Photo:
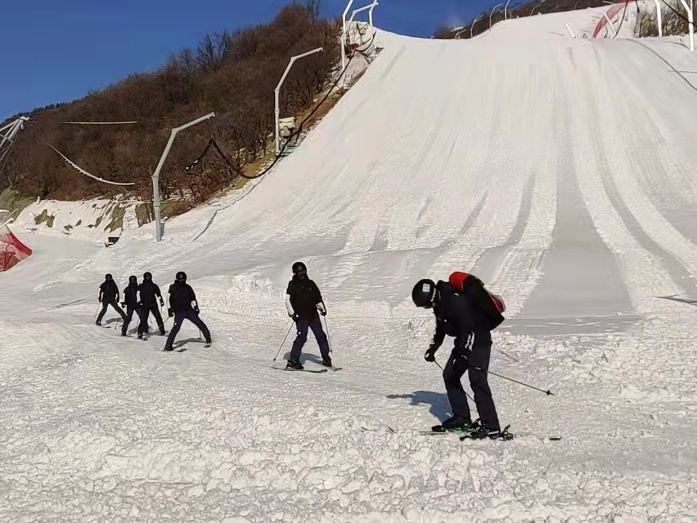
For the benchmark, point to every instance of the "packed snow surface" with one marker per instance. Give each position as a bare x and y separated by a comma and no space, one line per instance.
560,171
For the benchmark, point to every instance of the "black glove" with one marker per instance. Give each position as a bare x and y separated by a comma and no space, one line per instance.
196,309
170,312
430,355
123,304
162,302
323,312
100,299
295,317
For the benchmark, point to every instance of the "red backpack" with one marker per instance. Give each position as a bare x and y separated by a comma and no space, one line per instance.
458,281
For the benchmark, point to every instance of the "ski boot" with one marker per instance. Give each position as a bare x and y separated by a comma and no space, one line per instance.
294,365
327,362
168,349
456,424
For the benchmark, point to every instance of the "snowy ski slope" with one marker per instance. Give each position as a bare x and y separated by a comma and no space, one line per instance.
560,171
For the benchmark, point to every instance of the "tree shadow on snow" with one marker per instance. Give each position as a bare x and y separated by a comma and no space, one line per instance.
439,404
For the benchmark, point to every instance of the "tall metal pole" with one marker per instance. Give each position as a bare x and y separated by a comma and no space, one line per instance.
659,18
277,94
156,174
343,35
691,20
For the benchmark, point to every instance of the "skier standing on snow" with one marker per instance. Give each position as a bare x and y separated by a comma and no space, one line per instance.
303,302
130,302
183,306
109,295
461,315
149,293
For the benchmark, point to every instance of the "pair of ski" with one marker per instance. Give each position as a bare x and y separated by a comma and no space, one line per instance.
438,430
312,371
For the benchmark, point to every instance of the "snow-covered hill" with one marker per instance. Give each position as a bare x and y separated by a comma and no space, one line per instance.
558,170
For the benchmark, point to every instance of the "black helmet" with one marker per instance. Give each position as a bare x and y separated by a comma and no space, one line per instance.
108,277
132,279
181,276
147,276
424,293
299,267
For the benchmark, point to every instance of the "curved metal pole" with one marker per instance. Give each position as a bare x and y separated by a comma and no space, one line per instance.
369,7
505,10
277,94
472,28
492,13
156,175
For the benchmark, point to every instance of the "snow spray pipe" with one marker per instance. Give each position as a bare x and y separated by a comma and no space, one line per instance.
441,368
283,342
548,392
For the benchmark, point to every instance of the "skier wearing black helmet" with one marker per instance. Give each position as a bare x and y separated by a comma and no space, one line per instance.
304,304
109,295
183,306
149,294
130,303
458,315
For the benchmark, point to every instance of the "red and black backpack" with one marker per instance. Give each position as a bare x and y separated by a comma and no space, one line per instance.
490,305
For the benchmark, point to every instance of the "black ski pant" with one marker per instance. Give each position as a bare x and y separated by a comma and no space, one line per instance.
145,310
471,360
303,326
105,305
179,318
130,309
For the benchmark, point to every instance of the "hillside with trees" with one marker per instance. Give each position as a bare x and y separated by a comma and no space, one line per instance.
233,74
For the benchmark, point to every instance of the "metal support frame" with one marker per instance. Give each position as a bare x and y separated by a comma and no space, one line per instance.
659,17
370,8
505,10
568,28
691,19
491,15
11,129
156,174
277,94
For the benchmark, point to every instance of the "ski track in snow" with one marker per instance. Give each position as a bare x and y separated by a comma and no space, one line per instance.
540,163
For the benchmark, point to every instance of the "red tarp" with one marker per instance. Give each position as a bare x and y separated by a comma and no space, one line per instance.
12,251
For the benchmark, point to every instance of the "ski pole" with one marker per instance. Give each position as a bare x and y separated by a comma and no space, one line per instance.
547,392
326,324
284,341
441,368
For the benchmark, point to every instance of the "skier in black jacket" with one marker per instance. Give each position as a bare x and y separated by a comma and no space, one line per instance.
130,302
109,295
149,293
183,306
457,315
303,302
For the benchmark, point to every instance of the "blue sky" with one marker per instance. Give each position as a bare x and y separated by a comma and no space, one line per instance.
57,50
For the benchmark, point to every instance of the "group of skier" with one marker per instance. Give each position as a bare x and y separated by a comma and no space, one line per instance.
142,299
462,306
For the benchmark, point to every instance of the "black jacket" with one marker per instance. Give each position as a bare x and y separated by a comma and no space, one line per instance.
130,295
304,297
180,297
148,291
108,291
454,316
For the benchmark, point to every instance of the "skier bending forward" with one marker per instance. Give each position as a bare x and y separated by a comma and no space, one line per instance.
303,301
183,306
457,315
